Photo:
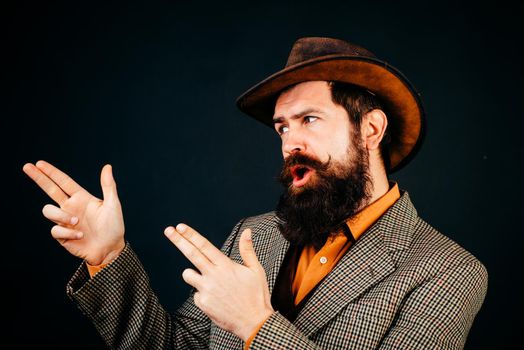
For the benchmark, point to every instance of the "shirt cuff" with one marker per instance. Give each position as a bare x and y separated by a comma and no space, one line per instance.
93,269
250,339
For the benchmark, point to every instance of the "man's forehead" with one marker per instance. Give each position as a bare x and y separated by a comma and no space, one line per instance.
303,98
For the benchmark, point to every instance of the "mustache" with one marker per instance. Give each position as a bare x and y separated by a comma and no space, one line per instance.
302,160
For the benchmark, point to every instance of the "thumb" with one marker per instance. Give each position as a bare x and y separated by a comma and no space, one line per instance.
108,183
247,252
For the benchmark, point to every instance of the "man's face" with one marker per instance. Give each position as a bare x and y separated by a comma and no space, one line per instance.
326,168
310,123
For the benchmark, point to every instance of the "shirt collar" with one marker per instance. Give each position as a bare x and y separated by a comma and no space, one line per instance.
361,221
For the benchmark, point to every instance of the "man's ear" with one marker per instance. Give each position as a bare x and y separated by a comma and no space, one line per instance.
374,125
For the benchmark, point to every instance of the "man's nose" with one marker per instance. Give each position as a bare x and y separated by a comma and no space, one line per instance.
293,142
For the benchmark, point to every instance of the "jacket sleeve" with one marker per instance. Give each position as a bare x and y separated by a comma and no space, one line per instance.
436,315
126,312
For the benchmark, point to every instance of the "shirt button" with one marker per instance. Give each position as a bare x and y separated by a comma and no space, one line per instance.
323,260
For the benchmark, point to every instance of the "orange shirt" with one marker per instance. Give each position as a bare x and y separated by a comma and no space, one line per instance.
93,269
314,265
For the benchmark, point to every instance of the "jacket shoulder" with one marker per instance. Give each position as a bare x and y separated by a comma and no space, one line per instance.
437,253
417,244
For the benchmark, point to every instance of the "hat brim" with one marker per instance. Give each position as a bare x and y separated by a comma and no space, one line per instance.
403,105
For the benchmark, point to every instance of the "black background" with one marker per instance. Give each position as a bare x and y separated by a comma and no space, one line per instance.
150,88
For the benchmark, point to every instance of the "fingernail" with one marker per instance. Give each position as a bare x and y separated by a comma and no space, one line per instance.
74,220
79,235
169,231
181,228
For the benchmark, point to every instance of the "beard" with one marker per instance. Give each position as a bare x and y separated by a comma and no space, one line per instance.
335,192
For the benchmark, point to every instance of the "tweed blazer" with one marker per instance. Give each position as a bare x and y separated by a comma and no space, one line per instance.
402,285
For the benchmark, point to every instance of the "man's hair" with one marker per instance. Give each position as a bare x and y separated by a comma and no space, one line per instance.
357,102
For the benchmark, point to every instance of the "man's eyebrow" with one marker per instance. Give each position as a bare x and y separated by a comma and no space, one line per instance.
281,119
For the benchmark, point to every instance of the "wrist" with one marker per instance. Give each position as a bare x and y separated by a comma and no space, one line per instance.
254,325
113,254
109,256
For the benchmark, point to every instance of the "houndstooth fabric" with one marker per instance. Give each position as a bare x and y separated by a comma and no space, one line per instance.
403,285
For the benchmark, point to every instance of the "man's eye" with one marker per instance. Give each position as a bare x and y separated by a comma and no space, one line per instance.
282,129
310,118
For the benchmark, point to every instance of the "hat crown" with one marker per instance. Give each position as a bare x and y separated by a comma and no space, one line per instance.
312,47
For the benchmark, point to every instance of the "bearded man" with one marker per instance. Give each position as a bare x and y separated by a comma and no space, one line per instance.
344,262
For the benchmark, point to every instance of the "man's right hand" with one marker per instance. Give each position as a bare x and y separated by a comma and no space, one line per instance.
88,227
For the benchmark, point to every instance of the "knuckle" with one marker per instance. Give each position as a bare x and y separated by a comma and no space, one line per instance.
66,180
202,245
51,191
192,254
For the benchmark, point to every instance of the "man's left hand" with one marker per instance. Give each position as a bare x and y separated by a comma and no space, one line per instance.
234,296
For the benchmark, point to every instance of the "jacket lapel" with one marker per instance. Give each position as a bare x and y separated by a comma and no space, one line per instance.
270,247
282,245
365,264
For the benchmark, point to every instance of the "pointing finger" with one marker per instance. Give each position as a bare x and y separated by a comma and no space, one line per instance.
202,244
190,251
45,183
67,184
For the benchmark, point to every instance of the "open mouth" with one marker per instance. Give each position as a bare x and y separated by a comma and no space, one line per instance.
301,175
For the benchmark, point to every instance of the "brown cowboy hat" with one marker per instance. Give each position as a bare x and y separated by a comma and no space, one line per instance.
330,59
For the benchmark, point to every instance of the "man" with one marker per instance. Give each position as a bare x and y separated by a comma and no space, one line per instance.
343,263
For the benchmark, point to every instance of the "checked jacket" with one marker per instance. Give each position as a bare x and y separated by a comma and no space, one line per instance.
402,285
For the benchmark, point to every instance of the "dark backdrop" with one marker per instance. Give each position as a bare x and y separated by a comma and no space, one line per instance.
150,88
